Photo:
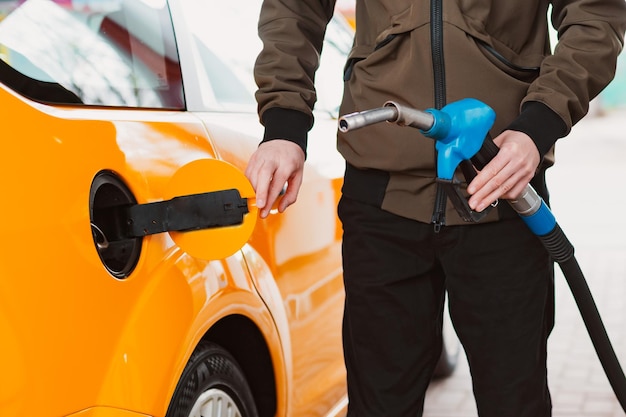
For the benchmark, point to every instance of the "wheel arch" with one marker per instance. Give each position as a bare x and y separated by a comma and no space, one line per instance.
251,326
244,341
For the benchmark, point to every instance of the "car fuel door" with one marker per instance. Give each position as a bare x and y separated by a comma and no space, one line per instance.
208,201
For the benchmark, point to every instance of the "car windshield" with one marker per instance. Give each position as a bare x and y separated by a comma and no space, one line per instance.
93,52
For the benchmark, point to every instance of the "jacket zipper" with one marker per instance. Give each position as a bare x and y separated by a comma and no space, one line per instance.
436,40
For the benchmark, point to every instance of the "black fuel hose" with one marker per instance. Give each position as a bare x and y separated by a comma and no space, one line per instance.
538,217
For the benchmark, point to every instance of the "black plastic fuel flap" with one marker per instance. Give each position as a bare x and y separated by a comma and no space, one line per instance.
180,214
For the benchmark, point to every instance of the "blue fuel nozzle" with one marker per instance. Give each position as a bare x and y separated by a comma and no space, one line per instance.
459,130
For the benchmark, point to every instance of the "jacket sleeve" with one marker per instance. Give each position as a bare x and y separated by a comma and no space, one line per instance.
292,32
590,38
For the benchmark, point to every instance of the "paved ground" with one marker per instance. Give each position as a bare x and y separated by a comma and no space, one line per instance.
588,187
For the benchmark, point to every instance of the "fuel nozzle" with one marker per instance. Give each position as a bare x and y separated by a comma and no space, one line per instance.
390,112
459,130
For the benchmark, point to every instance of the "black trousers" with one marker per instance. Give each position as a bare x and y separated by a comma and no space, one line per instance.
500,284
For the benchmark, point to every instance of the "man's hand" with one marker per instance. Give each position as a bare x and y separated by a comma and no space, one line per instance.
274,165
506,175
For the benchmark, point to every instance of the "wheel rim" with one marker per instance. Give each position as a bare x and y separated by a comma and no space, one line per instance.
215,403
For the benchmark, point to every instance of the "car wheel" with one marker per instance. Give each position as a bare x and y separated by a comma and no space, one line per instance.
212,385
450,349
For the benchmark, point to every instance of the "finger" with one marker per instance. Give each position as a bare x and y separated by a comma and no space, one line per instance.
273,187
481,203
252,173
506,184
262,188
291,194
264,185
276,189
484,176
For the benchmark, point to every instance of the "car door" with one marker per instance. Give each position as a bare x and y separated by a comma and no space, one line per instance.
300,247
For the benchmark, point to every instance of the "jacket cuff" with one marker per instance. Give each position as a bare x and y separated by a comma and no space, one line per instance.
542,124
288,124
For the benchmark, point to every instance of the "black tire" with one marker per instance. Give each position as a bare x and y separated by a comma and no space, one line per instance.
212,385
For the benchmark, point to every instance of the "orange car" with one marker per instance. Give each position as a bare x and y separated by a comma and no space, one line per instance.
136,278
125,125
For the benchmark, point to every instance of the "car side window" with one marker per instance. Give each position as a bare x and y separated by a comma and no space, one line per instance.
227,44
119,53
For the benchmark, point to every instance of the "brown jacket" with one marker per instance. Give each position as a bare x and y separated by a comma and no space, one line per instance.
426,54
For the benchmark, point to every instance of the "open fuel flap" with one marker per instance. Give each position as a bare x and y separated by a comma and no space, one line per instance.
206,211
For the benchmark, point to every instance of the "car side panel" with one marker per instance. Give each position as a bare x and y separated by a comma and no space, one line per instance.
66,323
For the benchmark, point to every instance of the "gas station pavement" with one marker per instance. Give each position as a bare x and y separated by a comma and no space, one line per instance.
588,199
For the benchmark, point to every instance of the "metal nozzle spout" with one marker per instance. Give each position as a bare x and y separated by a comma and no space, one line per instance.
407,116
361,119
390,112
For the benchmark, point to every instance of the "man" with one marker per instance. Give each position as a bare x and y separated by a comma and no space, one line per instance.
404,245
